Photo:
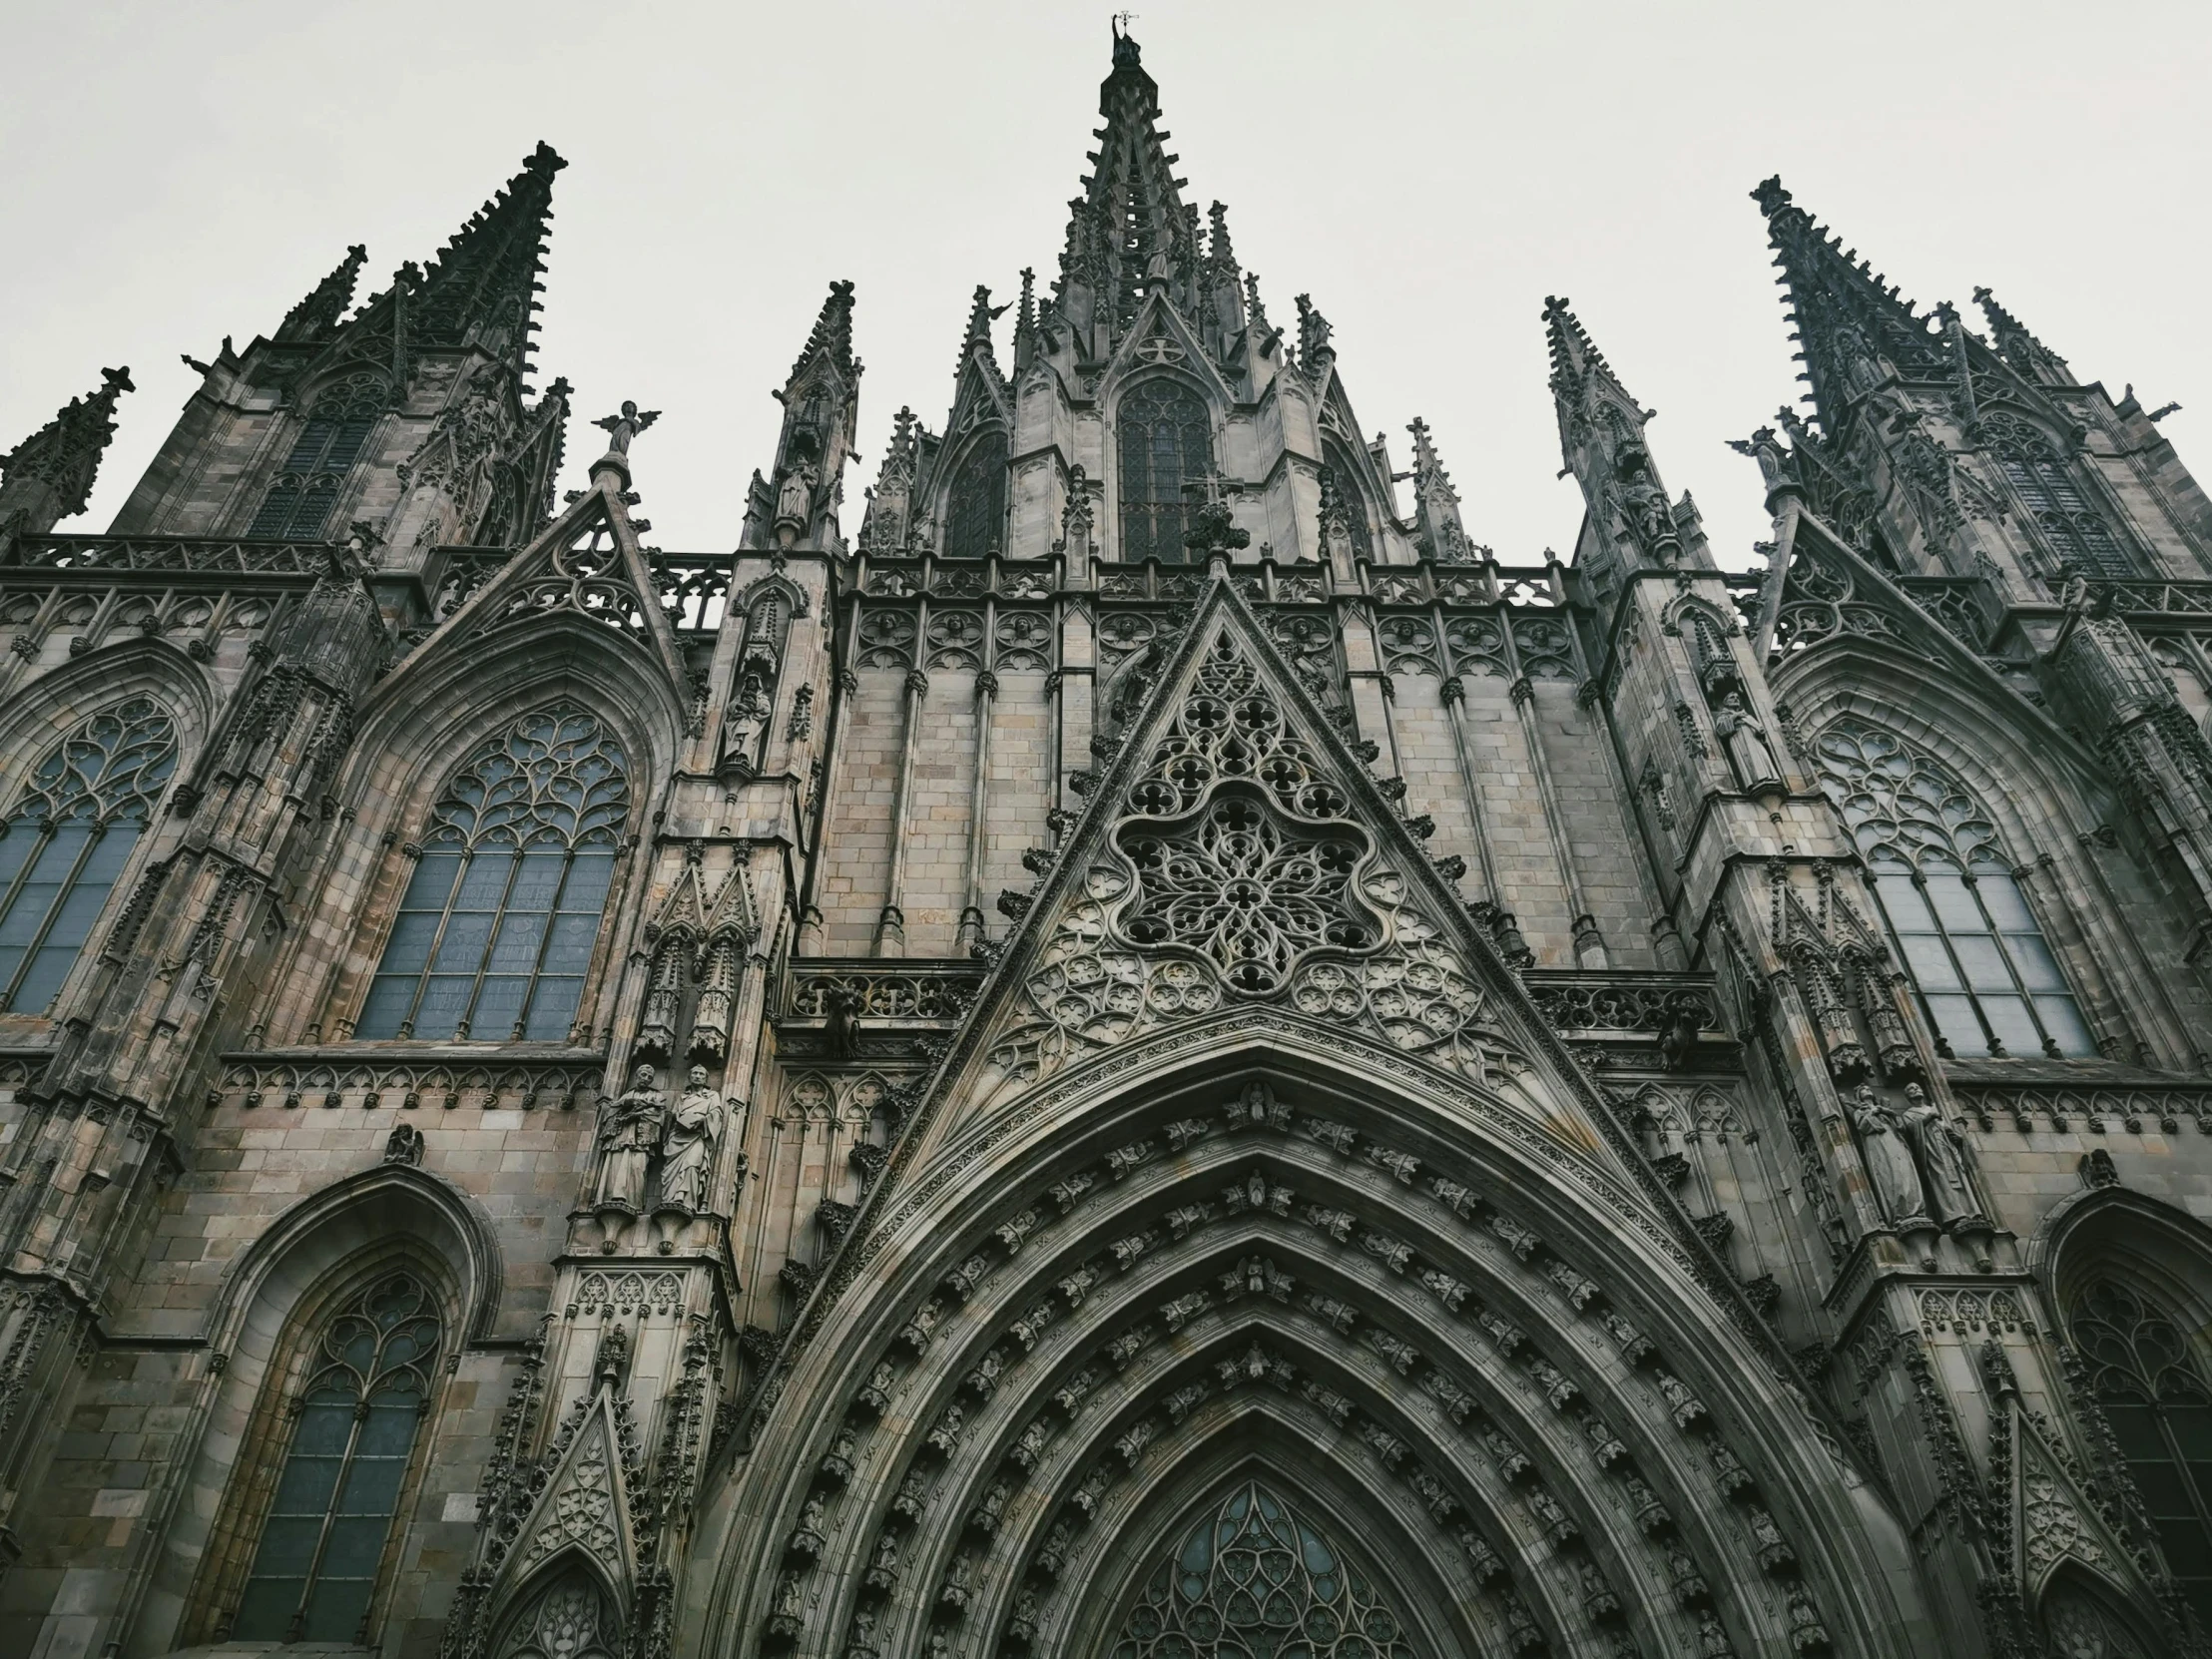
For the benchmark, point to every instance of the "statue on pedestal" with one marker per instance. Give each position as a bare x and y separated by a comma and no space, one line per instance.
688,1145
629,1130
1750,756
1889,1166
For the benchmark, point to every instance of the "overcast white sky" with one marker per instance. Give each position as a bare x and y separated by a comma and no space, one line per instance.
176,172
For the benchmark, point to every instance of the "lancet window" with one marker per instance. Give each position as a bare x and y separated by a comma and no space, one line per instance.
2152,1393
354,1423
69,838
1166,443
1986,979
1253,1578
2046,488
1343,491
975,515
499,919
331,440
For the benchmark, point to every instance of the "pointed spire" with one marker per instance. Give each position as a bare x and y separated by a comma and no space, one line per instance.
1574,359
1221,255
1438,531
481,287
1130,226
1856,328
2018,347
884,525
831,337
316,316
1025,321
48,476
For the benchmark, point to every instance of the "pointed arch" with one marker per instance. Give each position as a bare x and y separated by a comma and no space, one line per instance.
342,413
2070,517
1007,1410
70,832
1164,443
975,509
567,1610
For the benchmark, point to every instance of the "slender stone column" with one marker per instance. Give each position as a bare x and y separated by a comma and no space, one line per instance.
972,917
1589,945
1490,904
890,927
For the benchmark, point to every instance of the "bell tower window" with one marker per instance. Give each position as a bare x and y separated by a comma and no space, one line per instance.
331,440
1165,443
500,917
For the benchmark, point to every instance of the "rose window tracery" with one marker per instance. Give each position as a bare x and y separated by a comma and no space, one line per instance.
1254,1580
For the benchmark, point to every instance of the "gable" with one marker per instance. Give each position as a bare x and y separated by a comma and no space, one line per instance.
1235,858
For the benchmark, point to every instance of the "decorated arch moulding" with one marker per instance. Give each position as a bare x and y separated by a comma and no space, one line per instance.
2108,1226
1151,1185
43,709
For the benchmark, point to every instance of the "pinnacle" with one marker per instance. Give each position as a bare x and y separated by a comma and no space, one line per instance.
1574,356
64,454
318,316
832,334
481,284
2016,343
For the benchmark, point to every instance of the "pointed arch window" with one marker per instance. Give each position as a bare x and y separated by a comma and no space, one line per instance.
500,917
1165,442
1986,979
354,1423
569,1620
1256,1576
2145,1381
1341,487
2044,482
330,441
975,511
69,839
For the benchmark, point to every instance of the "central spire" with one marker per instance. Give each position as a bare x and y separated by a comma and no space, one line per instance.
1130,226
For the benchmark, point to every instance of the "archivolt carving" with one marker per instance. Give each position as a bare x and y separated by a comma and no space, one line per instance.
1081,1389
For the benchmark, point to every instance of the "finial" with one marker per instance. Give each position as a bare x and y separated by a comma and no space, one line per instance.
620,429
1313,332
1770,195
48,476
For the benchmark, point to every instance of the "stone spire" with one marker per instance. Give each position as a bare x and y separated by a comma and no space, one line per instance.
1601,438
2027,355
48,476
316,317
1855,329
1438,531
1025,321
798,503
1130,223
480,290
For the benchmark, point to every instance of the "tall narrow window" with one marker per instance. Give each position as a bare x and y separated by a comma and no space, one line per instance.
975,515
1256,1576
1165,443
2161,1414
2046,485
331,440
500,917
1341,490
68,839
1986,980
354,1428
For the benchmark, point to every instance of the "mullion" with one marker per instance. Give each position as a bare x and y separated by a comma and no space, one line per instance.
437,939
1989,1039
545,942
8,900
314,1568
2004,955
491,940
62,890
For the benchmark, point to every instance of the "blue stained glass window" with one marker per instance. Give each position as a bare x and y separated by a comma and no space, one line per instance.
1986,977
69,838
354,1432
499,919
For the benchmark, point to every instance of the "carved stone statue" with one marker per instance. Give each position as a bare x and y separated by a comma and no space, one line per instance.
621,428
629,1129
794,503
750,711
1941,1146
1889,1166
1750,756
688,1147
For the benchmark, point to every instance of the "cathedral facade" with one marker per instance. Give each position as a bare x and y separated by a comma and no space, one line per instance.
1136,1052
